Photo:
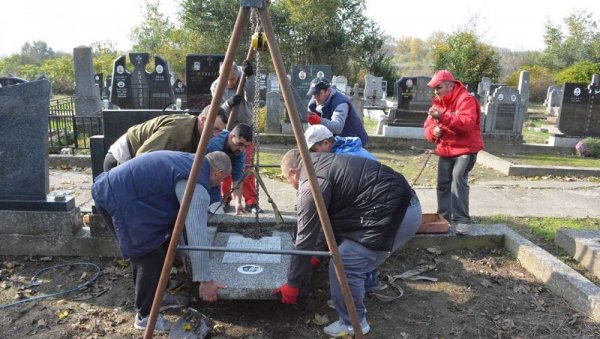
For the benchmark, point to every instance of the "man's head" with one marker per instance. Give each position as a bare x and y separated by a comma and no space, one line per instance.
442,83
319,138
220,167
291,163
233,75
220,121
239,138
319,90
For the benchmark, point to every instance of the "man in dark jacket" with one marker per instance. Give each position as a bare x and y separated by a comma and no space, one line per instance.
173,132
139,201
334,110
373,211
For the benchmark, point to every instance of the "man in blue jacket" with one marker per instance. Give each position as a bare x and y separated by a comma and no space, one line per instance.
334,110
139,201
320,139
234,144
373,212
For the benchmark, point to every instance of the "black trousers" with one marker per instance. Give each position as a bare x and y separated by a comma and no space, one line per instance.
145,270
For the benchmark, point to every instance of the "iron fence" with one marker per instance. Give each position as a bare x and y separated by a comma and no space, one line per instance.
66,130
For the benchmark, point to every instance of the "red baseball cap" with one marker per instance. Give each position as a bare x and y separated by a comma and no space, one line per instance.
439,76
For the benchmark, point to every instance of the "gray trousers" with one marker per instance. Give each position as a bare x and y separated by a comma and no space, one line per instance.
453,187
358,260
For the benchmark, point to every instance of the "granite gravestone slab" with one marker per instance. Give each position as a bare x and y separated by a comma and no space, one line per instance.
201,70
120,89
107,87
414,99
161,91
272,83
483,90
262,88
87,97
372,92
503,112
341,83
301,77
140,80
580,110
99,81
250,276
180,92
24,178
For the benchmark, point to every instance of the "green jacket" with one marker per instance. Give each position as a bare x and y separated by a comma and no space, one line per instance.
174,132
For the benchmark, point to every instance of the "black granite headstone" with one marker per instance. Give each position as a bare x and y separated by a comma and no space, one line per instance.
120,90
301,77
180,92
140,80
161,91
107,87
580,110
201,70
503,112
99,81
262,96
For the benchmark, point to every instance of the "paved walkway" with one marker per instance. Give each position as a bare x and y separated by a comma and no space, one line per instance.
546,198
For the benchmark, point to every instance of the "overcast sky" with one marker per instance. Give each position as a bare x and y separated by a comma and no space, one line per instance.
65,24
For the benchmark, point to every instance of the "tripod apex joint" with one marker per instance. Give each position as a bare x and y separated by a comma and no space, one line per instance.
252,3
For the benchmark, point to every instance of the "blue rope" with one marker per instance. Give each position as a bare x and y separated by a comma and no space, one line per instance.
40,272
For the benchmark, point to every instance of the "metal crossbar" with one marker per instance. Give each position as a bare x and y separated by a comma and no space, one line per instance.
253,250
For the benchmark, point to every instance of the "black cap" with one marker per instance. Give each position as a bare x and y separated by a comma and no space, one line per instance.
317,84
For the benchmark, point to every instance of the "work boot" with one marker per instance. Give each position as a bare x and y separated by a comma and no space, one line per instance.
372,283
253,208
161,325
339,328
173,301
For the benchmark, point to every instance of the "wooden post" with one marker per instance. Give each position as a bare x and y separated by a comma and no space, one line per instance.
308,166
240,23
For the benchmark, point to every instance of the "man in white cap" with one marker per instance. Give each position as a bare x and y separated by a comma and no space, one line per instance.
453,125
320,139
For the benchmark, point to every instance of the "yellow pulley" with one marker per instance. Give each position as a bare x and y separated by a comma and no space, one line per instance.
259,41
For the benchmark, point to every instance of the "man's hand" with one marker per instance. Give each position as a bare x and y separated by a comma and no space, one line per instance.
234,100
313,118
247,67
208,290
437,131
289,294
435,113
312,107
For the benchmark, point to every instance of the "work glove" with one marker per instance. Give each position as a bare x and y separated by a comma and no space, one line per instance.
315,262
313,118
289,294
247,67
234,100
437,131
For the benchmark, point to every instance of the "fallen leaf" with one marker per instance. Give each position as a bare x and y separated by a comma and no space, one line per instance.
63,314
320,319
187,326
485,283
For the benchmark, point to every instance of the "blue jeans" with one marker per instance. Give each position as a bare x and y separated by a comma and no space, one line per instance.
358,260
453,187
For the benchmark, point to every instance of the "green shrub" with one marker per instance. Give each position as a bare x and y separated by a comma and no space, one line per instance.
589,147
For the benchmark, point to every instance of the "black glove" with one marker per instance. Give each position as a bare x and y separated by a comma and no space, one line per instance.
247,66
234,100
312,107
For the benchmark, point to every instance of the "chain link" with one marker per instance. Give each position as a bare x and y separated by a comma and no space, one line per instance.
256,107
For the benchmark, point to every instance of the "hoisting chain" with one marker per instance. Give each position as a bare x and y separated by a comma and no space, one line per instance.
255,22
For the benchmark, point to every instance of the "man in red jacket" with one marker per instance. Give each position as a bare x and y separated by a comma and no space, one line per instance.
453,125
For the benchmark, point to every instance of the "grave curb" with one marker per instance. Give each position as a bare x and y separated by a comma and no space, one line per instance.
507,168
583,246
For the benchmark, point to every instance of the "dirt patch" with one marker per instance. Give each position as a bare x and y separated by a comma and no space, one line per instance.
479,294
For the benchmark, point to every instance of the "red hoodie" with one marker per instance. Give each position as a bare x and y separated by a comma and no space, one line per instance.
460,123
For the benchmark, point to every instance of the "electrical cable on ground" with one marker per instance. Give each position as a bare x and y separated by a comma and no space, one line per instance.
40,272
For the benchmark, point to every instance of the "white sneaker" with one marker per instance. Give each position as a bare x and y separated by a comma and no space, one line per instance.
339,328
161,325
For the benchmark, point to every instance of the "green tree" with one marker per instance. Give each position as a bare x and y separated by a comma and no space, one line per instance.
580,71
467,58
580,41
61,73
35,52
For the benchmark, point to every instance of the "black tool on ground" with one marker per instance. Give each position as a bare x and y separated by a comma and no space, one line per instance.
191,325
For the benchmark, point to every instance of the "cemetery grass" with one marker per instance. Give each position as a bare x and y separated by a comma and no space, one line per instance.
478,294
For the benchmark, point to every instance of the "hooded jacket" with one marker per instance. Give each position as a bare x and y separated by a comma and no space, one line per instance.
460,123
